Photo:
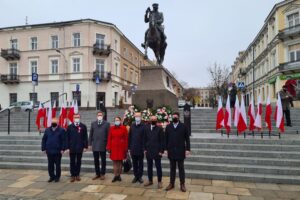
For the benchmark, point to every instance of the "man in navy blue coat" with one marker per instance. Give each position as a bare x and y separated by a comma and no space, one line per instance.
177,148
154,149
53,144
77,140
136,147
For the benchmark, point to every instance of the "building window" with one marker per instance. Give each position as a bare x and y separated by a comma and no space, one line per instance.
33,66
125,73
136,77
76,39
76,64
116,45
77,97
33,97
33,43
13,68
13,98
168,81
100,65
131,76
117,69
14,43
294,53
54,42
54,66
293,19
125,96
54,98
100,40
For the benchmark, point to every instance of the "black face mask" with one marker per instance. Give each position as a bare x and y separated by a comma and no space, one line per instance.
54,125
175,120
153,122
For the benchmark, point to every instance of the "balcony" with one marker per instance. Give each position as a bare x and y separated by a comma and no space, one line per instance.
243,72
103,76
10,54
101,49
289,67
9,78
289,33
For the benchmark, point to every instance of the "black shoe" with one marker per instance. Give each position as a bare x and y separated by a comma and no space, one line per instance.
290,125
56,180
140,180
114,179
135,180
50,180
119,178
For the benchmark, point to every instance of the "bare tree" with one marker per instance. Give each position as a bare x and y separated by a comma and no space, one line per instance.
219,78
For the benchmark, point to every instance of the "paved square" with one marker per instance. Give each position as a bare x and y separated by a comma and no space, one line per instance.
19,184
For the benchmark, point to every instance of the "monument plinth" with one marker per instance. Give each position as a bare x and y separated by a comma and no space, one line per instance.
155,88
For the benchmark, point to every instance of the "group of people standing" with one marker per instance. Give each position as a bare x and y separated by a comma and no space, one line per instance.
139,141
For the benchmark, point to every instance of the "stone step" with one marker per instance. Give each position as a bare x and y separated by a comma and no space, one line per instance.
234,176
276,170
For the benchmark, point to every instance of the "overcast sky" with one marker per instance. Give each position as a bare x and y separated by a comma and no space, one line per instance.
200,32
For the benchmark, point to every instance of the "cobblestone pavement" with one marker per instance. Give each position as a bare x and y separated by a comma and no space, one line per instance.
33,185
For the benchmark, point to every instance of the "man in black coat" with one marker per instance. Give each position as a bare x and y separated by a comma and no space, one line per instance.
136,147
53,144
77,140
97,142
177,148
154,149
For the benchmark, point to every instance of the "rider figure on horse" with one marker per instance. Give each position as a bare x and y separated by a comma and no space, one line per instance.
157,18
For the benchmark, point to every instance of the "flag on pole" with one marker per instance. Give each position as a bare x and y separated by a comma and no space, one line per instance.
268,114
227,119
279,115
49,115
76,107
257,122
63,116
236,112
251,114
242,123
54,109
220,115
71,112
45,116
39,116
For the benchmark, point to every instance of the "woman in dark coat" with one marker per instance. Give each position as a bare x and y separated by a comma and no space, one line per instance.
117,146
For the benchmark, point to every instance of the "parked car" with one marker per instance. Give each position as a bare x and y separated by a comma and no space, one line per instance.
181,103
23,105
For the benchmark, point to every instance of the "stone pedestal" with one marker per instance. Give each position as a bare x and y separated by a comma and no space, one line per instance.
155,88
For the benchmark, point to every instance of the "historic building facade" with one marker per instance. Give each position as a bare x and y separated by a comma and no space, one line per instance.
87,60
274,54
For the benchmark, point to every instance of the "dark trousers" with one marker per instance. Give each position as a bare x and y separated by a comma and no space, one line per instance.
75,163
287,117
138,165
150,169
96,155
54,161
180,164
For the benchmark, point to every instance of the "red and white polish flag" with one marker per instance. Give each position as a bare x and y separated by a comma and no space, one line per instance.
279,115
268,114
236,112
39,116
227,118
71,112
242,123
220,115
49,115
63,116
54,109
257,122
251,114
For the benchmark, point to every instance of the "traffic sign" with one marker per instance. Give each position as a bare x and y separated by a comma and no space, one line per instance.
35,77
241,84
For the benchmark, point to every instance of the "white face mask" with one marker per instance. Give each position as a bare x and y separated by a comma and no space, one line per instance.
138,119
100,118
77,121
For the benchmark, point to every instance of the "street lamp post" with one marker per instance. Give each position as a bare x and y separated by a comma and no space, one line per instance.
64,69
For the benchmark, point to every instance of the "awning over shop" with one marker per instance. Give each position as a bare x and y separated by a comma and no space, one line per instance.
292,76
272,80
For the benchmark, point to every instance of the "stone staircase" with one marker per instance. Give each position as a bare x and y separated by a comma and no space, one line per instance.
270,160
